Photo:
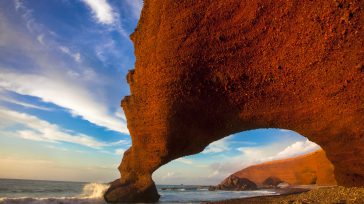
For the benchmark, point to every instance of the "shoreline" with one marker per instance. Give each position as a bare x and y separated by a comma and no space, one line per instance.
326,194
281,191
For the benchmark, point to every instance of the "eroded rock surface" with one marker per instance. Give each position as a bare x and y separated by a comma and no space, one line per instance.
206,69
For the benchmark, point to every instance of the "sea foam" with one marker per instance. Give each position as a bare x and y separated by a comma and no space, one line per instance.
94,190
92,194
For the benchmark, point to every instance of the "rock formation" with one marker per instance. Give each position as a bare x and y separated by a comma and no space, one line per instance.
272,181
234,183
206,69
311,168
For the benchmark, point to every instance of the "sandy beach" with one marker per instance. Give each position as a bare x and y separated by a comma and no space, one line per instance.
335,194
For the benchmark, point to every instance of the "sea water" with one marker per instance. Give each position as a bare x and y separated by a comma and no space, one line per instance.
14,191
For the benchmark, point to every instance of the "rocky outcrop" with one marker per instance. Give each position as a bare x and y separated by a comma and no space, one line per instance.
311,168
206,69
234,183
272,181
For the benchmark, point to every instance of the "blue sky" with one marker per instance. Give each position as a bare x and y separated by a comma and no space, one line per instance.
62,75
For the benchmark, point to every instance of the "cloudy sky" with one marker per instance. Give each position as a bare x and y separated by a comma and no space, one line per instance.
62,75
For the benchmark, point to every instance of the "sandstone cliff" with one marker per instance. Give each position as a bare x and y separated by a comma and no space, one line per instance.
206,69
312,168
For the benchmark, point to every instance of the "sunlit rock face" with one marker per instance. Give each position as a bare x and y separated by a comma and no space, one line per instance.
206,69
311,168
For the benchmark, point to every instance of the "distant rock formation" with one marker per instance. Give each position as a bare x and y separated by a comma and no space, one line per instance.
312,168
206,69
272,181
234,183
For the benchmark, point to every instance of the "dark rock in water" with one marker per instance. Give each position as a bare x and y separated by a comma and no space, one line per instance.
272,181
131,194
213,188
234,183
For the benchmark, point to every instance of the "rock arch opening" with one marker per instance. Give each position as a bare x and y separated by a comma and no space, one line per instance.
260,155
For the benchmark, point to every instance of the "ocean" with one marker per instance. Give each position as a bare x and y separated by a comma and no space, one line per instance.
14,191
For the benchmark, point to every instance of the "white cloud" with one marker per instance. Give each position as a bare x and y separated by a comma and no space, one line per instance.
102,10
40,130
169,175
73,74
121,142
75,55
25,161
136,7
120,114
57,148
64,93
18,4
243,143
27,15
26,105
119,151
103,13
297,148
40,39
218,146
82,94
250,151
184,160
44,62
214,174
285,130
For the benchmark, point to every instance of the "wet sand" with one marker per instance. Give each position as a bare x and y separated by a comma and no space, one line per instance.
335,194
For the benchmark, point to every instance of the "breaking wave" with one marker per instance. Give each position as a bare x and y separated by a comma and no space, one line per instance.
92,194
94,190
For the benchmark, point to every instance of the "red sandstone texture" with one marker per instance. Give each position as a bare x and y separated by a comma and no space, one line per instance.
206,69
312,168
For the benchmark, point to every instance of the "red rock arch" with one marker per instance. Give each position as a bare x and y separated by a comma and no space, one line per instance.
206,69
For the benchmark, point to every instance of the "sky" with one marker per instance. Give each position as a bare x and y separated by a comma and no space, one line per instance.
62,75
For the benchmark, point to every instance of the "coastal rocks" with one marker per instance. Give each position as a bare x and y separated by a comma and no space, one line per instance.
311,168
234,183
131,193
207,69
272,181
